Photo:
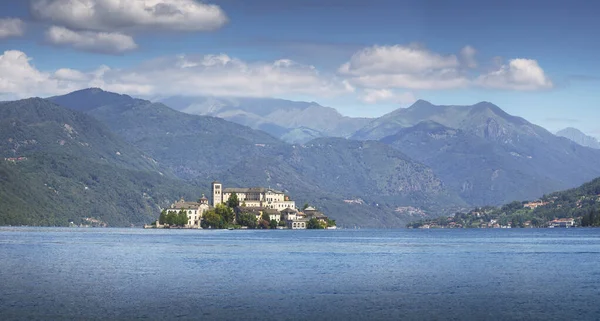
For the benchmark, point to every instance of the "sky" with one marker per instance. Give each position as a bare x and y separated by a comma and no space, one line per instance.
534,59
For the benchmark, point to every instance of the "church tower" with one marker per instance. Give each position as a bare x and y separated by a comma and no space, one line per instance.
217,192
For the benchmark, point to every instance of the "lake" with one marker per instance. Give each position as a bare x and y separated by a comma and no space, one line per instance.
509,274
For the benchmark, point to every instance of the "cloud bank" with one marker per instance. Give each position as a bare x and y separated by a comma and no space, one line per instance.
11,27
417,68
119,15
100,42
218,75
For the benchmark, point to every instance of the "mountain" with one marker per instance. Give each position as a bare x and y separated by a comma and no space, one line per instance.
486,155
578,137
483,119
58,165
369,183
372,184
288,120
190,145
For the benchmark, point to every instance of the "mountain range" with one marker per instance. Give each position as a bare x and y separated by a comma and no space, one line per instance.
374,178
291,121
119,158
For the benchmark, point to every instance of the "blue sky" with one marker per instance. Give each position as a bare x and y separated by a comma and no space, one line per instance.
534,59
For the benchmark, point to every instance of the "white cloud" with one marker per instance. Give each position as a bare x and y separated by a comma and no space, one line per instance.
11,27
396,60
399,66
414,67
102,42
71,75
467,55
18,78
120,15
218,75
519,74
374,96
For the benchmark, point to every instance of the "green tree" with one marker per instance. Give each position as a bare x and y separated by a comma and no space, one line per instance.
305,206
162,219
314,224
265,217
233,201
273,224
282,223
171,218
211,219
225,212
248,220
182,218
330,223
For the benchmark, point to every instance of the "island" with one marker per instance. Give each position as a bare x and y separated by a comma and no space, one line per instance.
242,208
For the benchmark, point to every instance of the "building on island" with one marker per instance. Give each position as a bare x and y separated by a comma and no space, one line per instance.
194,210
253,197
312,212
257,201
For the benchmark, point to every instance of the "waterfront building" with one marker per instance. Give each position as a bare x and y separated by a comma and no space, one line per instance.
252,197
194,210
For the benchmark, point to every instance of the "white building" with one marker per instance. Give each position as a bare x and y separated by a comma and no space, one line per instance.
194,210
253,197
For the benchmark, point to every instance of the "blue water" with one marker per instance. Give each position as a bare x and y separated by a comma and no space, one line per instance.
517,274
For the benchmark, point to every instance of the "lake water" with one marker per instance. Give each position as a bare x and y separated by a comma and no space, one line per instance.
516,274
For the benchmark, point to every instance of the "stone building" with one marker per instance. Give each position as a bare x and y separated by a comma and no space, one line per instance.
194,210
252,197
311,212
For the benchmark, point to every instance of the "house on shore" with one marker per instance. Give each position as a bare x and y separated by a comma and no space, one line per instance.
194,210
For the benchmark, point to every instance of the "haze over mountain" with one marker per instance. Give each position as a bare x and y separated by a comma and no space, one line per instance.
292,121
429,160
483,153
579,137
372,176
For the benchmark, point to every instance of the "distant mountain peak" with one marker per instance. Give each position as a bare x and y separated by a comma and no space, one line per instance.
421,103
579,137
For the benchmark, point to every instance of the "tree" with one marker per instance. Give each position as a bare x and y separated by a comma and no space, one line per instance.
248,220
263,224
162,219
233,201
273,224
330,223
282,223
182,218
211,219
171,218
265,217
305,206
225,212
314,224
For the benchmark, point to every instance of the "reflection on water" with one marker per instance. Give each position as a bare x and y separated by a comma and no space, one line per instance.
53,273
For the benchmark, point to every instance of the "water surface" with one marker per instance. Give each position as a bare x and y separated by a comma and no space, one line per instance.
518,274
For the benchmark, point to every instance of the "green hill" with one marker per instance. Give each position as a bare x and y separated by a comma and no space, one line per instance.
57,165
581,204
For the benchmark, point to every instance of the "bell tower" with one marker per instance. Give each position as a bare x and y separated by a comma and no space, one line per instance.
217,193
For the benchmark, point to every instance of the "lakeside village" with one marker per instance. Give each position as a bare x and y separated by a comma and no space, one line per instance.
242,208
534,214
